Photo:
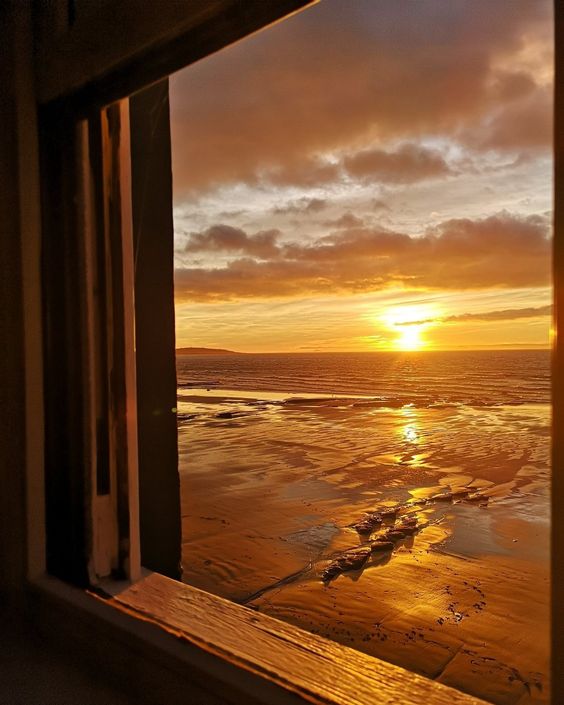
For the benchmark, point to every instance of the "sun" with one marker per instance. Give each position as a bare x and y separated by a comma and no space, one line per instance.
410,338
409,323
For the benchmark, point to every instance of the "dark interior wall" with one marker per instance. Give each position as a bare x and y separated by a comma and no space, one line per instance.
20,320
12,402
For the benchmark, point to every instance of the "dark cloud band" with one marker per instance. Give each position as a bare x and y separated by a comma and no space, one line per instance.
457,254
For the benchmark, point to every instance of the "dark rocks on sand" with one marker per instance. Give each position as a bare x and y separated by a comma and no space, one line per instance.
395,535
367,525
407,529
370,522
364,527
381,546
350,560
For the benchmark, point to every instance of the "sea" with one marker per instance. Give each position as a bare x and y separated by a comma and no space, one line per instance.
474,378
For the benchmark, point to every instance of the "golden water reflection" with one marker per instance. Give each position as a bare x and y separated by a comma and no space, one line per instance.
410,433
409,426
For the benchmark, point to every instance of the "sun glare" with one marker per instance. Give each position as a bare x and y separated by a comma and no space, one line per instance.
410,338
409,323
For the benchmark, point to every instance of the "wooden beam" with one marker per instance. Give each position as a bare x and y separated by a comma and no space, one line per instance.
67,477
113,49
88,286
271,652
159,484
121,350
109,380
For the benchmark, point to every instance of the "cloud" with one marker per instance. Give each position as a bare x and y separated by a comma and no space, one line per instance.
343,75
302,205
299,172
225,238
501,251
347,220
524,124
405,165
507,314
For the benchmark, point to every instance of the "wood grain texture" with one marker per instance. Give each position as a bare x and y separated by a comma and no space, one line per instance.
318,670
134,42
153,230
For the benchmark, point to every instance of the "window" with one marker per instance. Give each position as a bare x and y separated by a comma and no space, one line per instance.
81,424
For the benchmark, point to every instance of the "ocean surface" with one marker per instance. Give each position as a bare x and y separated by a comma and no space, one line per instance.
425,378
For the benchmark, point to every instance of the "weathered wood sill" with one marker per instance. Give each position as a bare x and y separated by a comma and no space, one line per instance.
308,666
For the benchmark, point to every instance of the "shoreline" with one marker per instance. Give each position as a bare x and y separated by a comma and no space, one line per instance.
526,348
224,395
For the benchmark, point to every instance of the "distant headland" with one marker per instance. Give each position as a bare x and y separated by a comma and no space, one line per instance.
205,351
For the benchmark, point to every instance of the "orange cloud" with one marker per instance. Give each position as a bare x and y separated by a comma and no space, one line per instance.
524,124
405,165
342,75
225,238
347,220
457,254
507,314
302,205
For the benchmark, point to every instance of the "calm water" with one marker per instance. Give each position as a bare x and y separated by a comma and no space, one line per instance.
429,378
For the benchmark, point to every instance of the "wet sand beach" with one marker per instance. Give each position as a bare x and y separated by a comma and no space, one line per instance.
415,533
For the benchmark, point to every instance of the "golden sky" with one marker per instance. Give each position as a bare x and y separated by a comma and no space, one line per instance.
368,175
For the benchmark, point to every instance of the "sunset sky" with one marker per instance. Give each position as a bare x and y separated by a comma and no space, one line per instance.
368,175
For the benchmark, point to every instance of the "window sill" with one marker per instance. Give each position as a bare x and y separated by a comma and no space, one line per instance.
233,652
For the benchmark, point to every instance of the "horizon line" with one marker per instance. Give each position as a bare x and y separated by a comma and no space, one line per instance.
510,346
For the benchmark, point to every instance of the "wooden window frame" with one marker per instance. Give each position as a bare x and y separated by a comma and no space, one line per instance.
174,628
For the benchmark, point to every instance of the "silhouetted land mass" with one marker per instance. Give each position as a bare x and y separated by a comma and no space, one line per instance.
205,351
